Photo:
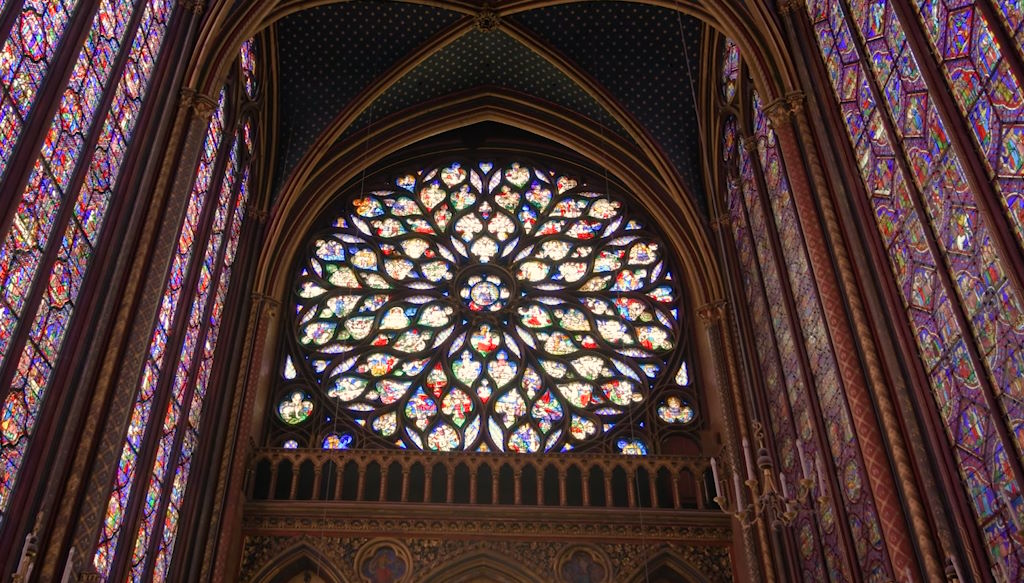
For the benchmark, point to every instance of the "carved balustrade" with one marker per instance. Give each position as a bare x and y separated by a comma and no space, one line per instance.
399,476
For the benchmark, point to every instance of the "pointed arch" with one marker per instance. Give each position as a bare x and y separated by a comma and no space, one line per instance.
667,566
479,566
295,560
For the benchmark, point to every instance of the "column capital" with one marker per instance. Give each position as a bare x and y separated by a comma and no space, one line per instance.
713,312
202,105
265,304
797,101
779,112
194,6
257,213
789,6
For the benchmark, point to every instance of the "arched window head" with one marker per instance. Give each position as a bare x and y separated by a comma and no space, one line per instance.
730,69
481,306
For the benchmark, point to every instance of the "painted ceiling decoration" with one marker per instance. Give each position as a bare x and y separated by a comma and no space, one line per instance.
613,56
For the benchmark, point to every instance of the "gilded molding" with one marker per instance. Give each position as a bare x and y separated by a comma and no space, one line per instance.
288,520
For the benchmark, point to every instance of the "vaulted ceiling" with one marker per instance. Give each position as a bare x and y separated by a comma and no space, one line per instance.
622,65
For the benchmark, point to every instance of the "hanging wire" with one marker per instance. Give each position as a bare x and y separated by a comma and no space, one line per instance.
331,484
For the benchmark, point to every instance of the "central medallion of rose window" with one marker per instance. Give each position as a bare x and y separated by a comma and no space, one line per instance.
485,292
486,307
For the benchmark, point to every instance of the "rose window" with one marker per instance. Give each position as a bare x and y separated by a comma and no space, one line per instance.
482,307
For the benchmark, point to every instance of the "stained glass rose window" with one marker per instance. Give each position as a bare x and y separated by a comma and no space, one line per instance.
484,307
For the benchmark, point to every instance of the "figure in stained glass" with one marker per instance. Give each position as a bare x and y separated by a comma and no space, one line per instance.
482,306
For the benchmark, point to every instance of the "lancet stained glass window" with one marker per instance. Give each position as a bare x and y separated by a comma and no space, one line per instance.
965,321
116,27
482,307
180,364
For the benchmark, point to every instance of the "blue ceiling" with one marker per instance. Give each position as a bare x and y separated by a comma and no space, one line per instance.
327,55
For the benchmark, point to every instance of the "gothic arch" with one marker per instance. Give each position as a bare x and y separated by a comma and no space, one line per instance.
750,24
297,560
298,206
670,565
481,566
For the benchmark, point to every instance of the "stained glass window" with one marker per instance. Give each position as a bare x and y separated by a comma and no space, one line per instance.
730,69
481,307
147,391
26,55
929,221
198,283
50,188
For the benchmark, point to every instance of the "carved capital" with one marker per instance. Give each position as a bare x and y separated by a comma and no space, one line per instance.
195,6
797,101
722,221
748,143
257,213
201,105
265,304
487,20
713,312
789,6
778,112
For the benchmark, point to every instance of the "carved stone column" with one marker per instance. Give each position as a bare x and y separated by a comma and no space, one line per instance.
88,488
872,446
734,425
934,569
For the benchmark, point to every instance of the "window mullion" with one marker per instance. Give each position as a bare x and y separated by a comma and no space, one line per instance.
26,383
39,86
165,392
67,209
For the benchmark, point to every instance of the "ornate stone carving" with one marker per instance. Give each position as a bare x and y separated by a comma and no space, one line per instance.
487,20
536,557
748,143
778,112
269,305
195,6
796,101
202,105
712,312
789,6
